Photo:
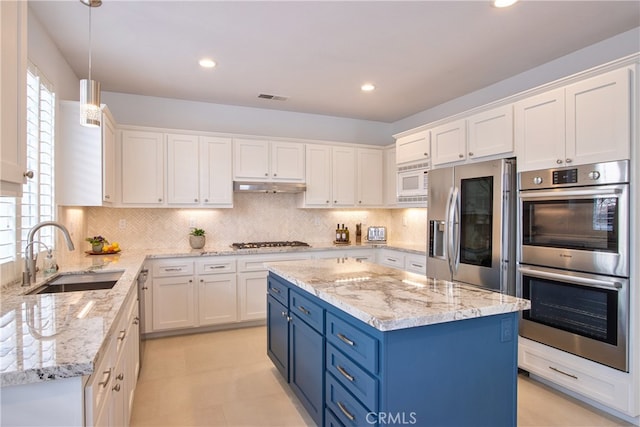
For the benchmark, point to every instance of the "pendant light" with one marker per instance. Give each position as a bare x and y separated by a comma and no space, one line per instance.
90,112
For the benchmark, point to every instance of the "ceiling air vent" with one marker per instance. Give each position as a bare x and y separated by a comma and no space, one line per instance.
272,97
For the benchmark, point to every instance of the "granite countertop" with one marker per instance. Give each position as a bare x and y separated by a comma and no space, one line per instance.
44,337
390,299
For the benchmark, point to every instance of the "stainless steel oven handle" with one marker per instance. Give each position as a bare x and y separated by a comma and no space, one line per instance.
606,284
564,193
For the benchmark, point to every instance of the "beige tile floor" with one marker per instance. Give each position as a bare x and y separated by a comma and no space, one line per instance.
226,379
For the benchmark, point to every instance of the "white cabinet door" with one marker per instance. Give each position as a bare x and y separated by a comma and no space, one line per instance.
216,177
173,303
343,187
540,131
142,167
250,159
109,195
598,118
252,289
318,176
182,169
413,148
370,182
217,299
390,176
449,142
287,161
13,95
491,132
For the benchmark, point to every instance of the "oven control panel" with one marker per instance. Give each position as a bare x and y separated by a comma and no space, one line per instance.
565,176
575,176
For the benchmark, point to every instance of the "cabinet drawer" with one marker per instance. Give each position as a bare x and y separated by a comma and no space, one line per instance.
216,265
308,311
353,377
347,409
353,342
391,258
172,268
278,290
330,420
99,385
416,264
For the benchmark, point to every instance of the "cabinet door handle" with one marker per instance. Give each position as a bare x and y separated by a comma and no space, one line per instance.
283,313
563,373
568,160
346,340
304,310
195,200
345,373
470,153
122,335
159,199
345,412
559,161
461,155
105,378
28,174
116,387
206,200
120,377
275,290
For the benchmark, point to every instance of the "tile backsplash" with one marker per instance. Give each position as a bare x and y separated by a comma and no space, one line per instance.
254,217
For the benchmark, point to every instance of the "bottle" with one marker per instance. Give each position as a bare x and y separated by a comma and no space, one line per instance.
343,234
338,233
346,230
50,264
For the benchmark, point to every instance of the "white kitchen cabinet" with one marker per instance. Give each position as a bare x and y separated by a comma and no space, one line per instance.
390,176
318,176
449,142
217,291
490,132
216,178
183,175
85,159
143,168
262,160
585,122
173,302
370,177
13,95
342,252
343,183
413,148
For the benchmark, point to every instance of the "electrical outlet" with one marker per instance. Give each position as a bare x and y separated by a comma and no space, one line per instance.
122,224
405,221
193,223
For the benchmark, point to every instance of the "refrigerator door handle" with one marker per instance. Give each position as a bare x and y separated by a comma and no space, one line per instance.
451,224
455,245
447,233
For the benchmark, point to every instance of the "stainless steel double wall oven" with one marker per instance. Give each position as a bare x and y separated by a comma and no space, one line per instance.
574,259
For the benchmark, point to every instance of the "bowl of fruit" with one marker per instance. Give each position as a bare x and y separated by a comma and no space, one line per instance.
100,246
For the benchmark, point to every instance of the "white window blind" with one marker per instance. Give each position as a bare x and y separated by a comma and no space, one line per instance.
7,229
37,203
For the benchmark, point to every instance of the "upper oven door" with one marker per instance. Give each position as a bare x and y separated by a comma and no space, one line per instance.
582,229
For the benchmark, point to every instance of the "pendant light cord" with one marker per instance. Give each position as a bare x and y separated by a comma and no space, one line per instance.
90,7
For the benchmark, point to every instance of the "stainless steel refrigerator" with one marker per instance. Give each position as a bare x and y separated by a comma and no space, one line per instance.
472,224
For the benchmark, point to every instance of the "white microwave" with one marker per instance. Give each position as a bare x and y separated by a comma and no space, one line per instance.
412,183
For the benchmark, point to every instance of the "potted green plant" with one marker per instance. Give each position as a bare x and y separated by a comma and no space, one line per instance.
197,238
97,242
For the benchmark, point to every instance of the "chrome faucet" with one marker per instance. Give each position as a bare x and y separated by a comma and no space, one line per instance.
30,259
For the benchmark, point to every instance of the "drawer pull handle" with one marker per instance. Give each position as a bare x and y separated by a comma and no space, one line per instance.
346,340
105,381
304,310
120,377
345,373
275,290
345,412
563,373
116,387
173,269
417,265
122,335
213,267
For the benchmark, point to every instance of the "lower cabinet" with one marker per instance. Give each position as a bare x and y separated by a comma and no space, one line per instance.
347,373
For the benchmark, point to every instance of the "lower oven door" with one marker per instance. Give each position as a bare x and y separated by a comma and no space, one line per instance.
583,314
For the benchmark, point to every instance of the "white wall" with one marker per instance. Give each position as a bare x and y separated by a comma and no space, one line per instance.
616,47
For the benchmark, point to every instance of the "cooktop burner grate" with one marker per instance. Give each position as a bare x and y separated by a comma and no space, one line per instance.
256,245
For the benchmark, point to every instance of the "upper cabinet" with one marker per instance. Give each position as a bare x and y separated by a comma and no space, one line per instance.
199,170
370,179
85,159
143,168
586,122
390,176
13,93
413,148
261,160
480,136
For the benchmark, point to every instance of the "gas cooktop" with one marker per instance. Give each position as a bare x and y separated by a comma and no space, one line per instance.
256,245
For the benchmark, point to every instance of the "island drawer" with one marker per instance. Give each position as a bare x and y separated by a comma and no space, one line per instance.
278,290
356,344
308,311
216,265
330,420
347,409
353,377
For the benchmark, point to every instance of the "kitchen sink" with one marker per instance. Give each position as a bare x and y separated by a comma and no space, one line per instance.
82,281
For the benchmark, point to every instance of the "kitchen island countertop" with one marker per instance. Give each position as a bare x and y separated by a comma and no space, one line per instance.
390,299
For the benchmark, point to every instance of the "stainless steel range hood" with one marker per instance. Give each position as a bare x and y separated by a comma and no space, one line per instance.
269,187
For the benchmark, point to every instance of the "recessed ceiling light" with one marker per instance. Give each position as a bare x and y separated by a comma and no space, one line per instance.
367,87
207,63
503,3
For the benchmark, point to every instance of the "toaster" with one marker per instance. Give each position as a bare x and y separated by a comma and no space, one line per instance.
377,234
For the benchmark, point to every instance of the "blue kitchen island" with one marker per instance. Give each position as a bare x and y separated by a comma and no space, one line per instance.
361,345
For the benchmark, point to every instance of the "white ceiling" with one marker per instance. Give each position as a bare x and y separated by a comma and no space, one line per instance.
317,53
